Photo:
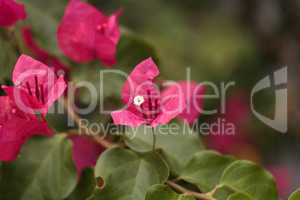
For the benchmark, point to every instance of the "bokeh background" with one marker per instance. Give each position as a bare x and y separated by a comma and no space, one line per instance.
231,40
220,40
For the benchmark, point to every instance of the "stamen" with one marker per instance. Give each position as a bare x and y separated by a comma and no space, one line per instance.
156,108
28,88
138,100
37,90
144,111
42,93
149,103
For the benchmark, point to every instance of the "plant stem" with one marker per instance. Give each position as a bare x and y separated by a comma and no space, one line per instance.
154,139
200,196
71,113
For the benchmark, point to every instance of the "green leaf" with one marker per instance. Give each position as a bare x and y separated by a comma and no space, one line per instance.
250,179
128,175
85,187
162,192
178,144
295,195
223,193
239,196
205,169
44,171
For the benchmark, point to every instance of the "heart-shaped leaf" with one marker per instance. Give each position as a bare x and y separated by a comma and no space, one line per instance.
44,171
250,179
85,187
295,195
205,169
178,144
239,196
223,193
128,175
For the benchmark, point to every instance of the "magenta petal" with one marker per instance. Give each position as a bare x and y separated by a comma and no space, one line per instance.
113,29
36,85
11,12
12,137
56,92
85,34
108,39
10,150
76,32
22,99
106,50
85,152
125,117
193,93
144,72
172,104
16,127
27,68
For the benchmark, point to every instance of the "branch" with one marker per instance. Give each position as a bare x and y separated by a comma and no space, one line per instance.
71,113
200,196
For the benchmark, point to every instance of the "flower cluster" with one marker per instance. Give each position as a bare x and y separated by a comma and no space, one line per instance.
84,34
33,93
38,81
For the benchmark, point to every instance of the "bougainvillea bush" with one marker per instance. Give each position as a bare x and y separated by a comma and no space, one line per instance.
135,141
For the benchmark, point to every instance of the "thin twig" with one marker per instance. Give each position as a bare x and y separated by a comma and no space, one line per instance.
71,113
181,189
154,139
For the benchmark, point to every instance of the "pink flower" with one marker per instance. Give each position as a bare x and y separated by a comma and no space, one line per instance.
236,114
145,104
11,12
193,96
36,86
16,127
85,152
42,55
86,34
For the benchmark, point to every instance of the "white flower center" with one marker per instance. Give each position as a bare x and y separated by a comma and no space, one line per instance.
138,100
